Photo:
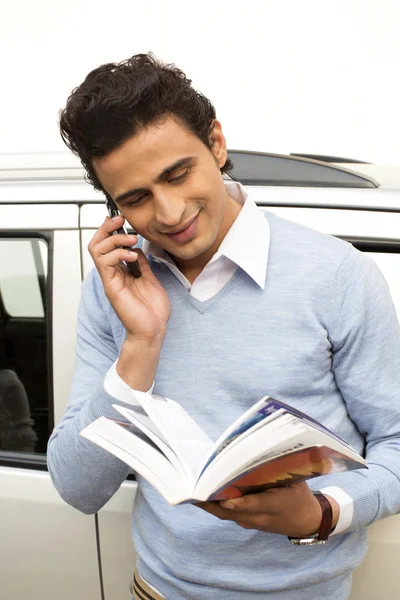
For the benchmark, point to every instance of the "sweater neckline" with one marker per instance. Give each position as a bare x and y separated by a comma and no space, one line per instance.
199,305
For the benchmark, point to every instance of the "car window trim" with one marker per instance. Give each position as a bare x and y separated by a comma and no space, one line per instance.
21,459
378,245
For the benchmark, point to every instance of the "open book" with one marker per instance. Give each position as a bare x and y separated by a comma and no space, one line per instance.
270,445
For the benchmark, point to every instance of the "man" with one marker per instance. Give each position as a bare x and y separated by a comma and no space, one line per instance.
232,304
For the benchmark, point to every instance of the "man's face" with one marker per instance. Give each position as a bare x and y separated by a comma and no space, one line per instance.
169,187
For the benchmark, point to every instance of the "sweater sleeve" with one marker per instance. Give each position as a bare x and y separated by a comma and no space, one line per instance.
365,338
85,475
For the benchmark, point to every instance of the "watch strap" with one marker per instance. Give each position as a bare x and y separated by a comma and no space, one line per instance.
327,517
326,523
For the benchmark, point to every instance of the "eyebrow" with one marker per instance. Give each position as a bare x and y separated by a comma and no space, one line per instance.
182,162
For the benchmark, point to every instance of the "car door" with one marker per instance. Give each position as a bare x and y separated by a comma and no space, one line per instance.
378,234
47,549
117,554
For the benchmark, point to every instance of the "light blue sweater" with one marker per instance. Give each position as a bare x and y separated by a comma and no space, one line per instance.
323,336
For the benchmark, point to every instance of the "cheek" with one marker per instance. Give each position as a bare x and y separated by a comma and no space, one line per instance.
217,207
139,219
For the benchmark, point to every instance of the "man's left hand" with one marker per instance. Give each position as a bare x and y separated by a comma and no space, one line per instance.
291,511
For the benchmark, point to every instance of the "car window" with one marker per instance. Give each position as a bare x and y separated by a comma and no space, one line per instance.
25,419
22,274
264,169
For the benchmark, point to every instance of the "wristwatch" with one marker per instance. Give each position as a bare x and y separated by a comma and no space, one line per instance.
326,524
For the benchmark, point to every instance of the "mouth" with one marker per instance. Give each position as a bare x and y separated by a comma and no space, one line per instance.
185,233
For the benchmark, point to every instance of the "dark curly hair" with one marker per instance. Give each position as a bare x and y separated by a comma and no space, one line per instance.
117,100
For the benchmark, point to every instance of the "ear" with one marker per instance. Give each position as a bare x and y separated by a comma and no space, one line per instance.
218,142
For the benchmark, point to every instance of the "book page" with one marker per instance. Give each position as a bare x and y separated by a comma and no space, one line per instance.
277,405
257,416
140,455
284,436
233,458
143,422
186,438
246,420
262,412
292,467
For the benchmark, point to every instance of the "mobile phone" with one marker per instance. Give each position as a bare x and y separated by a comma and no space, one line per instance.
113,211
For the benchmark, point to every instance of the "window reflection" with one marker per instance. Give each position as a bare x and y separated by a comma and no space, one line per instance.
16,426
24,409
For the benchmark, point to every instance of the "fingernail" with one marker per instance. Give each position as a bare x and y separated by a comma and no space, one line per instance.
116,218
228,504
132,238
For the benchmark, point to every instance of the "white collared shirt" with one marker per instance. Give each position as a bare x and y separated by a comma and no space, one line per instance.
246,245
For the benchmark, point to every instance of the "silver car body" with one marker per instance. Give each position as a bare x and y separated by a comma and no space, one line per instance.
48,549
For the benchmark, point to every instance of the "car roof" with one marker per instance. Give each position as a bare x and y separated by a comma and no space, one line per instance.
281,179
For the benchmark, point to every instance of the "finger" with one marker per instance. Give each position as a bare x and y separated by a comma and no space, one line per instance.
110,225
252,503
114,258
214,508
271,500
107,228
114,241
245,520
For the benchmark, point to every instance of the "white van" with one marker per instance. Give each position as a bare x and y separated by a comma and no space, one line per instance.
48,214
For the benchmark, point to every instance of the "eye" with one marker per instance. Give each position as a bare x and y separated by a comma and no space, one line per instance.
136,200
178,178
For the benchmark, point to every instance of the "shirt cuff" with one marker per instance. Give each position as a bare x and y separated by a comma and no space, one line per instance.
116,386
346,507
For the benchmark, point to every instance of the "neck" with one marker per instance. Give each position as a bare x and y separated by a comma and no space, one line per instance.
193,267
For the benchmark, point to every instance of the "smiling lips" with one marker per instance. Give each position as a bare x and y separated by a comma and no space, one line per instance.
185,234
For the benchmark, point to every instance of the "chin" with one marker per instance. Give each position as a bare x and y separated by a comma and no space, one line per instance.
192,250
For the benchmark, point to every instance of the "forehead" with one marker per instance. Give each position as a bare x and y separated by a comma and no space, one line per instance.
145,155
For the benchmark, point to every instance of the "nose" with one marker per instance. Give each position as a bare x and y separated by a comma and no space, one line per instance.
168,208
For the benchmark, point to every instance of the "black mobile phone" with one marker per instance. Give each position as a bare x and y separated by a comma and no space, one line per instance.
113,211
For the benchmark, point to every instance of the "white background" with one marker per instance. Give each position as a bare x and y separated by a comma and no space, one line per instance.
317,76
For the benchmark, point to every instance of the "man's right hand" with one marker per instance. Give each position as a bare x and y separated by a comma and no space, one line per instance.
141,303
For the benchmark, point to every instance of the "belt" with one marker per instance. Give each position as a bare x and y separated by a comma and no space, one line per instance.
141,590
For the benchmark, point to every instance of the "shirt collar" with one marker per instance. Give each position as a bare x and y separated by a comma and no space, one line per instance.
246,243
